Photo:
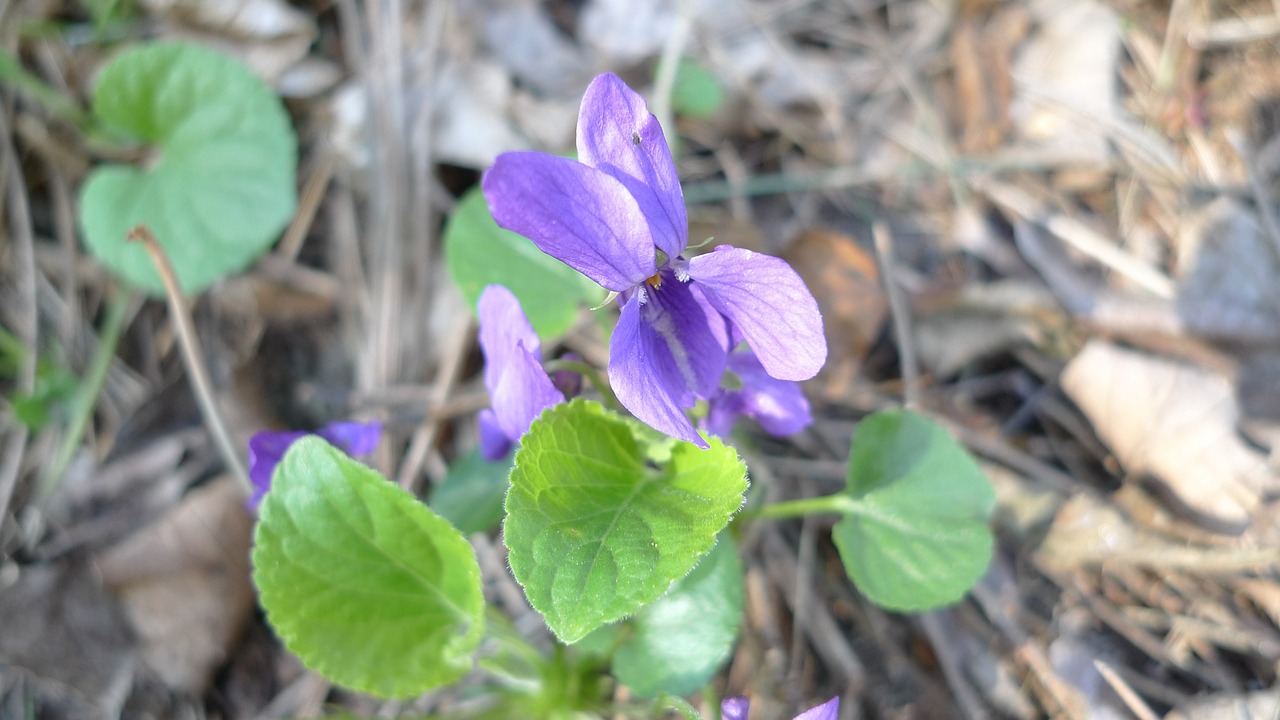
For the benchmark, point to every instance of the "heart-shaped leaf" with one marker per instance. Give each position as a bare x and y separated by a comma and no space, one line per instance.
915,533
596,528
472,493
362,581
219,184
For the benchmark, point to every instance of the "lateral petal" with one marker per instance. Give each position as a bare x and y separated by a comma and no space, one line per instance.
618,134
778,405
494,443
503,327
579,215
643,382
522,393
769,305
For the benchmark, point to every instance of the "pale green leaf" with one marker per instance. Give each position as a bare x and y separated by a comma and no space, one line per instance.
595,530
361,580
218,185
915,533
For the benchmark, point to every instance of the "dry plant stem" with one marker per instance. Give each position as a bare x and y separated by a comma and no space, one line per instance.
193,357
446,377
1130,698
312,193
901,319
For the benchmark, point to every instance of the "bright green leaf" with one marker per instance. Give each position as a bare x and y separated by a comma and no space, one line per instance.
472,493
915,534
362,581
480,253
595,531
219,187
696,92
682,639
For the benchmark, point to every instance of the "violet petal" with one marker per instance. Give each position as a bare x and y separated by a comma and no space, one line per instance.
494,443
829,710
778,405
734,708
266,450
644,384
618,134
577,214
522,393
769,305
503,327
353,438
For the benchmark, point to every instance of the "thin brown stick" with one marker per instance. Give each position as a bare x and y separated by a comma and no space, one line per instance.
193,357
901,319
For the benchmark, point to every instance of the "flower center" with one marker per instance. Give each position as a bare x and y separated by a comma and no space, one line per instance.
655,282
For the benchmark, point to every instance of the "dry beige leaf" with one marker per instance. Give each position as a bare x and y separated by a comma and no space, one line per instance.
1258,704
184,584
1176,423
1065,87
983,320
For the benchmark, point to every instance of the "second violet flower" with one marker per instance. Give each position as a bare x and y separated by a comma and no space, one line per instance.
617,215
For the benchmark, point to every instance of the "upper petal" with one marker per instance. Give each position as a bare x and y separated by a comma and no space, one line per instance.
618,134
522,393
768,303
647,380
579,215
503,327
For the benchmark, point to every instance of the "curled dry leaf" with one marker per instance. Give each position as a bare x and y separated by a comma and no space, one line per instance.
184,584
1176,423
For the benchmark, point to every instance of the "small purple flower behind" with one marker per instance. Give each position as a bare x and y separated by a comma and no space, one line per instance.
267,449
519,389
618,217
778,405
736,708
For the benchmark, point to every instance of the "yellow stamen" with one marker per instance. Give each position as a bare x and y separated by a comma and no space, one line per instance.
655,282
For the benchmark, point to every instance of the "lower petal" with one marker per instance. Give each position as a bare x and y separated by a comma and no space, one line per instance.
646,378
768,303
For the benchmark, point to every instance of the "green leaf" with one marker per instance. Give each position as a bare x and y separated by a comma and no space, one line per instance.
696,92
682,639
362,581
472,493
480,253
595,531
915,533
220,189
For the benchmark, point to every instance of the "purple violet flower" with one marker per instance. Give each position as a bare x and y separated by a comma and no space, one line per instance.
267,449
736,708
519,389
778,405
617,215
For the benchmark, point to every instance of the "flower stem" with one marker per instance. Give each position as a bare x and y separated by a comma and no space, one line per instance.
838,504
193,357
589,373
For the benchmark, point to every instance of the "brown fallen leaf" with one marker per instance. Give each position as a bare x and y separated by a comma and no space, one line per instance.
982,55
1177,423
844,280
184,584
